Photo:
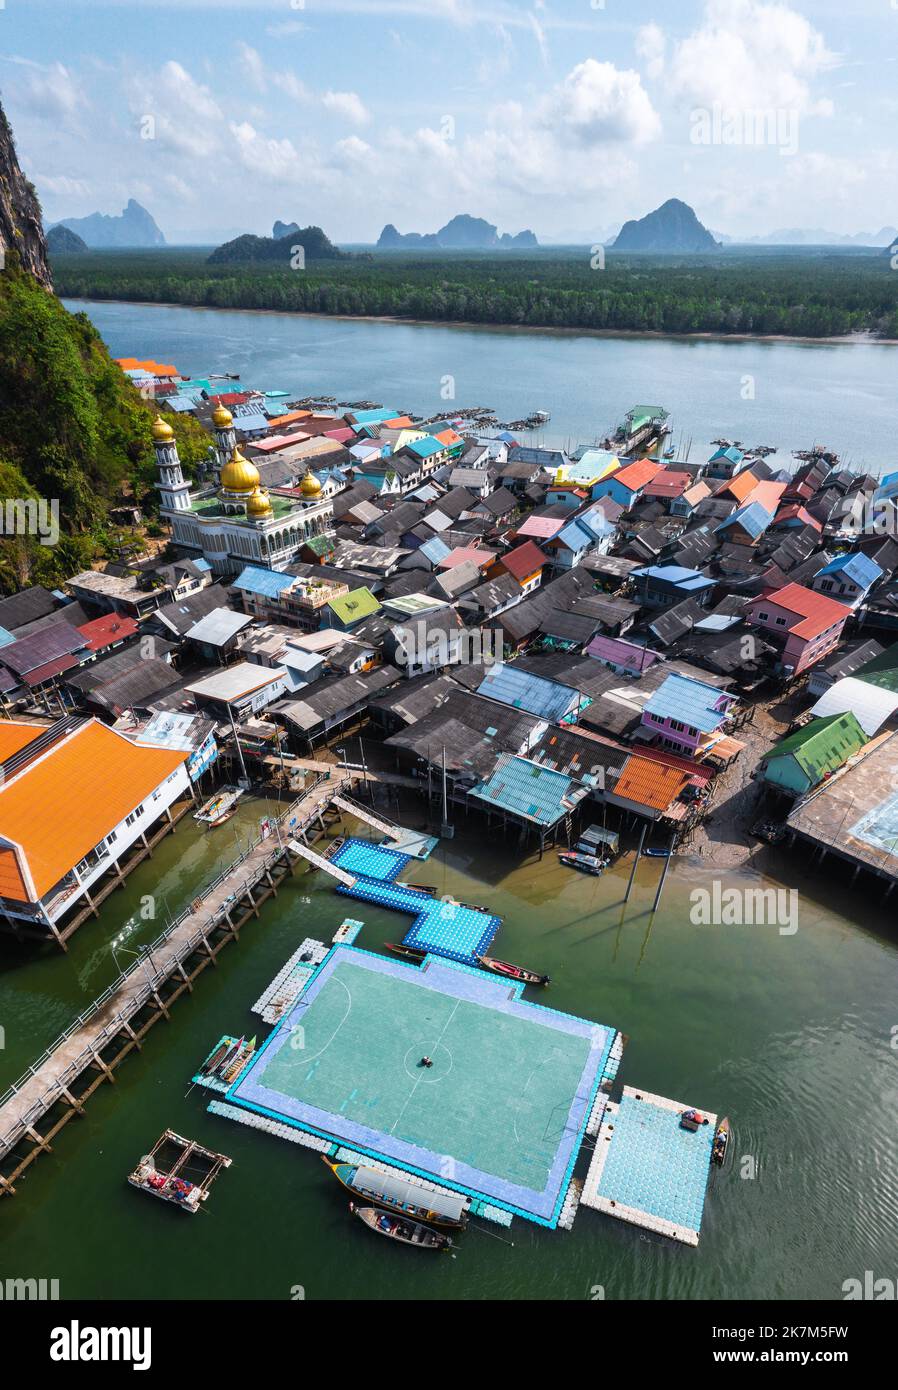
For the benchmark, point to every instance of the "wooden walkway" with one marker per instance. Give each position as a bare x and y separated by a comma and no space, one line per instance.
353,808
97,1041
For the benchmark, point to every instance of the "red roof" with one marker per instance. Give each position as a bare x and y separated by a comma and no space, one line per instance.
671,483
796,513
524,560
482,558
636,475
234,398
816,611
106,631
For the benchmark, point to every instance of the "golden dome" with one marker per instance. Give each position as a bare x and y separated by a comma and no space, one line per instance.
258,504
239,475
162,432
310,486
222,419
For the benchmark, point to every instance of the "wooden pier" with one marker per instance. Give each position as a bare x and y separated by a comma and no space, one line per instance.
57,1085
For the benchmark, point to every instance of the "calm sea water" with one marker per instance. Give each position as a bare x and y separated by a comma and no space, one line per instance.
788,1035
787,395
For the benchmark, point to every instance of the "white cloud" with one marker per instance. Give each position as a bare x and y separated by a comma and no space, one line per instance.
651,46
48,91
348,105
598,103
751,55
262,154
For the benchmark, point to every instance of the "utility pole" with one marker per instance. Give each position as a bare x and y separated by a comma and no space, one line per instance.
446,830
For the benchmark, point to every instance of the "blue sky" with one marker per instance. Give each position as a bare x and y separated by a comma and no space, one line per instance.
567,116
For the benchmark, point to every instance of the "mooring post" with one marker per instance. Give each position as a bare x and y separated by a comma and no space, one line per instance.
635,863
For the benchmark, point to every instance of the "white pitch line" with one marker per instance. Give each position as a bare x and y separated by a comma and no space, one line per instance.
420,1078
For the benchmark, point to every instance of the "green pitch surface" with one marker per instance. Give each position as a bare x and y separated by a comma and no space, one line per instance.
497,1099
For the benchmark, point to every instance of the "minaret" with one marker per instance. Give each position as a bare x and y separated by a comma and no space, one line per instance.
225,436
173,489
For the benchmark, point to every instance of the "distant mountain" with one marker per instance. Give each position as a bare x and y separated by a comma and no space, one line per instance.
282,229
672,228
816,236
65,242
462,233
251,249
135,227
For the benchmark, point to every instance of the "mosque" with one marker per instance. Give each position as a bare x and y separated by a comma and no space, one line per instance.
239,522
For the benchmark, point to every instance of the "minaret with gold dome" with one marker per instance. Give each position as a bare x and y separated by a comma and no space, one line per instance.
174,489
310,487
225,436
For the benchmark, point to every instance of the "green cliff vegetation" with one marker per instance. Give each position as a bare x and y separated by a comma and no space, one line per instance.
72,429
805,293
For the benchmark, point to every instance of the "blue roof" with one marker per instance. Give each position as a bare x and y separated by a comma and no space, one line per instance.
5,637
255,580
692,702
522,690
689,580
528,789
754,519
857,566
734,455
372,417
595,522
426,446
435,550
575,537
202,564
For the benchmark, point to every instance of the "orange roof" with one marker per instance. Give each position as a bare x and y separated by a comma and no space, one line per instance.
636,475
401,422
15,735
650,783
768,493
739,487
290,417
68,800
132,364
448,437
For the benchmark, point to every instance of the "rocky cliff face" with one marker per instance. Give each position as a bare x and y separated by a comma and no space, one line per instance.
21,230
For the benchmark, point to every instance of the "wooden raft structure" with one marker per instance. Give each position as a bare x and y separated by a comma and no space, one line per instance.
170,1181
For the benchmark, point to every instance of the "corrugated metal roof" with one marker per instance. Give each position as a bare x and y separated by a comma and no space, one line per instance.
218,627
871,705
268,583
692,702
858,567
526,789
525,691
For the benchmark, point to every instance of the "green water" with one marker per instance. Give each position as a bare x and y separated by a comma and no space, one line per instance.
788,1035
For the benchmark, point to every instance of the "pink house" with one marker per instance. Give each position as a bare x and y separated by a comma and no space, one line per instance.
807,626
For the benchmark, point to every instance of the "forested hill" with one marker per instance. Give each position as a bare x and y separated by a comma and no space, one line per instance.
760,293
72,427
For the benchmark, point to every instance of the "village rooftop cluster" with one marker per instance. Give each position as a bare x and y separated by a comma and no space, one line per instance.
548,634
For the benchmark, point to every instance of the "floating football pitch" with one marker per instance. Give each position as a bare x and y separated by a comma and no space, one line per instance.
501,1112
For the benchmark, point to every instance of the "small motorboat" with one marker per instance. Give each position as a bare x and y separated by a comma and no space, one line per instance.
219,808
721,1142
401,1228
512,972
586,863
414,953
653,853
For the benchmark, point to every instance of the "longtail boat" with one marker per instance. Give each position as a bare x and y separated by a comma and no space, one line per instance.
414,953
413,1200
512,972
400,1228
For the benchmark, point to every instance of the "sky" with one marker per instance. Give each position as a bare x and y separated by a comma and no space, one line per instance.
563,116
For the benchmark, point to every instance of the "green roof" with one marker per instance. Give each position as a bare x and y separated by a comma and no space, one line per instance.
822,746
354,606
320,545
881,670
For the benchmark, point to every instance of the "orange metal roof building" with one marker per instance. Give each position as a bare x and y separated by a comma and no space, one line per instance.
132,364
15,735
650,783
738,487
290,417
636,475
62,805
